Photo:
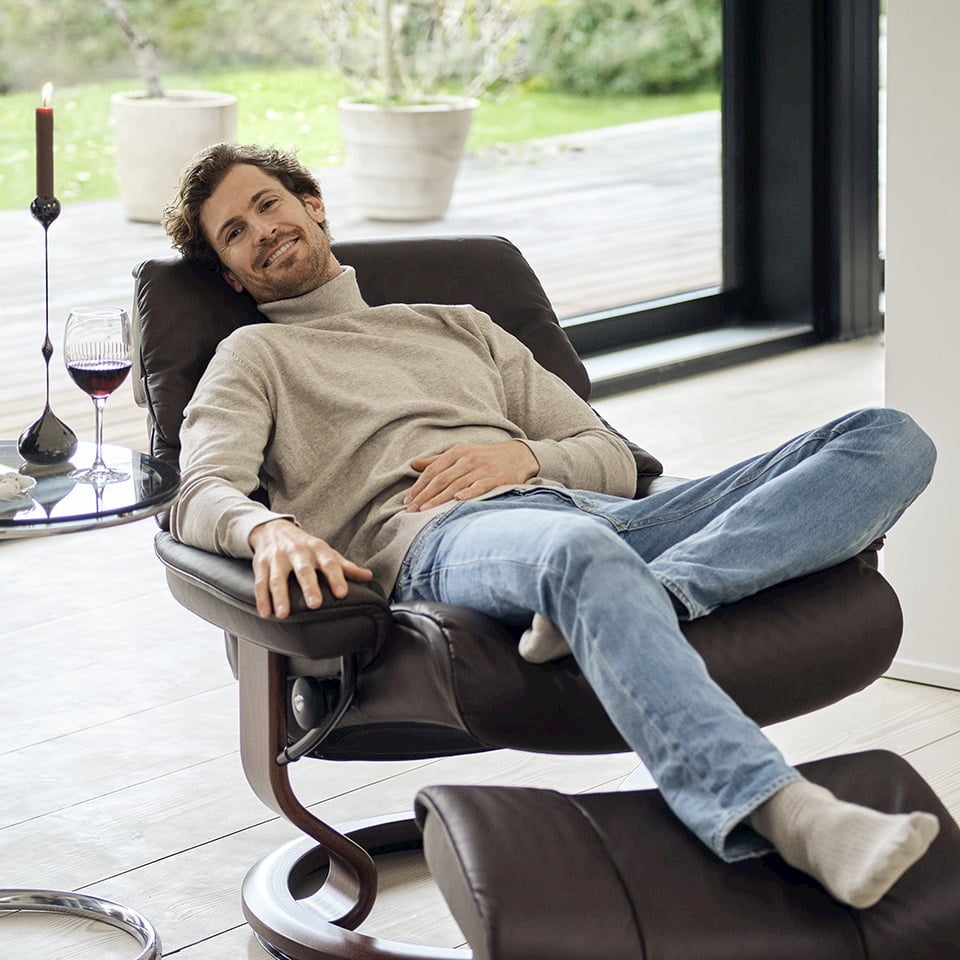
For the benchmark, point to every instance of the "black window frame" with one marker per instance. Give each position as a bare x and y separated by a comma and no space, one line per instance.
800,168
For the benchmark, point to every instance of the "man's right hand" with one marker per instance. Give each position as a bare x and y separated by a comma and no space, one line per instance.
280,548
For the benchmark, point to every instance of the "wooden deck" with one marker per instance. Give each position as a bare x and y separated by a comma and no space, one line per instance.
607,217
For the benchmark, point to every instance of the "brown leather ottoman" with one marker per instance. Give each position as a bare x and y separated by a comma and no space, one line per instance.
538,875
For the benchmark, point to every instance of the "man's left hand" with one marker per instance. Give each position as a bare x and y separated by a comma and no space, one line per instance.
469,470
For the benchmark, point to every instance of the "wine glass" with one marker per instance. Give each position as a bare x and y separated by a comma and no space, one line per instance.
97,353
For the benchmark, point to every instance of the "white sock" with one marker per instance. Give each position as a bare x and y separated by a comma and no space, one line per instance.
857,853
542,642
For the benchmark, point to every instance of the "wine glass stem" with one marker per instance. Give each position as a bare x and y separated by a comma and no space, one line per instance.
98,403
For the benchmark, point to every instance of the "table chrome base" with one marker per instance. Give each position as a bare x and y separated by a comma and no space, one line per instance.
90,908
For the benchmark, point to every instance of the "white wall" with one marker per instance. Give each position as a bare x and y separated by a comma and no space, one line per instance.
922,558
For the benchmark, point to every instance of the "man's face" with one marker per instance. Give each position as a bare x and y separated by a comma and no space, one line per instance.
268,239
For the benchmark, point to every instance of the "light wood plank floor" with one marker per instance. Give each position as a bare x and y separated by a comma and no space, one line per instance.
119,772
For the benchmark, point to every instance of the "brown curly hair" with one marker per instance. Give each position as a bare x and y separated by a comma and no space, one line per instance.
202,175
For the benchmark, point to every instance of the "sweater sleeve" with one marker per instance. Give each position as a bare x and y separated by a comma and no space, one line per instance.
226,428
563,432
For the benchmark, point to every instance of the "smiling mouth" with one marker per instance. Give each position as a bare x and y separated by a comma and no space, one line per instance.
279,252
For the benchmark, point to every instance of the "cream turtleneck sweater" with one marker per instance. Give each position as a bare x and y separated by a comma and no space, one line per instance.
326,405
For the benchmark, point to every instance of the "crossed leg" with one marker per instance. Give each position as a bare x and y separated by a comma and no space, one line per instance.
604,571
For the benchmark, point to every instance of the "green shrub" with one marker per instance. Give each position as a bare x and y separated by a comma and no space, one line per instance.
438,46
627,46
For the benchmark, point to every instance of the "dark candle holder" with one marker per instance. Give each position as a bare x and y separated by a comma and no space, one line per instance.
48,439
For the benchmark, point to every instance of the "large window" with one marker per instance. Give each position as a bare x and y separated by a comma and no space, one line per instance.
609,173
800,212
683,243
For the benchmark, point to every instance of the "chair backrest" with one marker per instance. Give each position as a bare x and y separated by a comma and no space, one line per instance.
183,310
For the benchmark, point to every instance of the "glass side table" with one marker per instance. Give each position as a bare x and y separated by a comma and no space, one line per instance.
55,505
58,504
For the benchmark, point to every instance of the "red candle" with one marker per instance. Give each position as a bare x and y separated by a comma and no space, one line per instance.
45,143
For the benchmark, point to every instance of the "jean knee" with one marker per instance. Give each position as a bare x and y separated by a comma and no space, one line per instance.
576,534
908,445
924,447
578,542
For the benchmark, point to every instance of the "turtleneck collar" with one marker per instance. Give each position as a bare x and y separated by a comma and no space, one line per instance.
339,295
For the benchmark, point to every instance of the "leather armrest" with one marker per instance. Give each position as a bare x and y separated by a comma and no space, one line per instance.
220,590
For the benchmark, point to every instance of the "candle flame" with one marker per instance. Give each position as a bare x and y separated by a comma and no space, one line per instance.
46,95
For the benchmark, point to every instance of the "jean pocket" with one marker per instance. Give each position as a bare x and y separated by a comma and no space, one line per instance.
413,551
546,495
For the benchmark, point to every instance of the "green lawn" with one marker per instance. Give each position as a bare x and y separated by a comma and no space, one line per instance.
282,107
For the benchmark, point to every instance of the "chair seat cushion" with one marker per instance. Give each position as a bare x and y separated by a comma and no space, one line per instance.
449,680
530,874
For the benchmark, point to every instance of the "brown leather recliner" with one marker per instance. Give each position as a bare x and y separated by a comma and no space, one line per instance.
359,678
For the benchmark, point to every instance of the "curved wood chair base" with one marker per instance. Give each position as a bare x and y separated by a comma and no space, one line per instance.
280,895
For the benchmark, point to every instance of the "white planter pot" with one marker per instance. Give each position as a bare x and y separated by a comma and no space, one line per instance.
402,161
155,137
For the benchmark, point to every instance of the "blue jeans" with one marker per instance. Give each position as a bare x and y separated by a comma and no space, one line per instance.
603,569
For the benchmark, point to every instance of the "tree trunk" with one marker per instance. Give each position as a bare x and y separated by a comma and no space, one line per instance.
389,70
144,51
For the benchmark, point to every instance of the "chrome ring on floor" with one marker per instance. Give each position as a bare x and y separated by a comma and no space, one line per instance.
90,908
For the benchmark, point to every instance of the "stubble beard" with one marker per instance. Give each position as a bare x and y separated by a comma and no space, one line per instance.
310,271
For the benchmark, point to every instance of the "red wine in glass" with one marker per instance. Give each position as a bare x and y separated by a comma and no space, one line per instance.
99,378
97,352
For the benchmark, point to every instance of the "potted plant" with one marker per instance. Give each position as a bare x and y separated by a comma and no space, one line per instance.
404,134
157,132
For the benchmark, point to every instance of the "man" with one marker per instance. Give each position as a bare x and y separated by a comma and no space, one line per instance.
423,447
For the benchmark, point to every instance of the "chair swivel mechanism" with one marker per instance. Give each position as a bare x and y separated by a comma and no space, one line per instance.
363,679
